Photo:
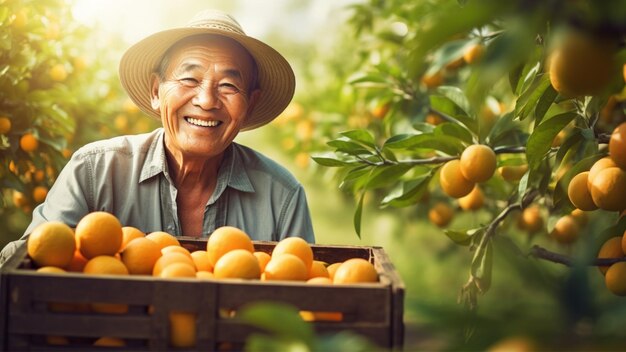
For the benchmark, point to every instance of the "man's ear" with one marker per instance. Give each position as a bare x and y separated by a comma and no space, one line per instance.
155,101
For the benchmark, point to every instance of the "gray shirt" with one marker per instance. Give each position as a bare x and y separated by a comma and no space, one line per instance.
128,177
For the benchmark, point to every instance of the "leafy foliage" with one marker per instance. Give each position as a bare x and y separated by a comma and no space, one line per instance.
56,83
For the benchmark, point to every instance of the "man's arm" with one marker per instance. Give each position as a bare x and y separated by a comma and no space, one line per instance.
295,219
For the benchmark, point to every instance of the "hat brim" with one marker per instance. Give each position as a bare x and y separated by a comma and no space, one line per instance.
276,79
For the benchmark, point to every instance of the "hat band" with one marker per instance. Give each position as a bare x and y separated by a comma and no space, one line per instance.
216,26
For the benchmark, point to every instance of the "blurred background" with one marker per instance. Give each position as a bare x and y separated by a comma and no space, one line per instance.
58,81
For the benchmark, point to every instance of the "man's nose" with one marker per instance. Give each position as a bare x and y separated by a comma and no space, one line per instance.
206,97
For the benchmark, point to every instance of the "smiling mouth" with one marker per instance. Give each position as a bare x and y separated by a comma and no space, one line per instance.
202,123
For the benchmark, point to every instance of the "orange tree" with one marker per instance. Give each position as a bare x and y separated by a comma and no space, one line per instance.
57,92
490,105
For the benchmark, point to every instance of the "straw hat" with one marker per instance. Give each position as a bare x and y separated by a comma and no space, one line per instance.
275,76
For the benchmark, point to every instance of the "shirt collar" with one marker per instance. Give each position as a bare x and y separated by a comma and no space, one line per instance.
232,171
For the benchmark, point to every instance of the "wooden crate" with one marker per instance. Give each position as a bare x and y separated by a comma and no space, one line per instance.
374,310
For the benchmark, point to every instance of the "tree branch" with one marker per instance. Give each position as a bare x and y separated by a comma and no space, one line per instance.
539,252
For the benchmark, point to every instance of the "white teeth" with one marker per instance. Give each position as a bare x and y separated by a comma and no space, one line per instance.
202,123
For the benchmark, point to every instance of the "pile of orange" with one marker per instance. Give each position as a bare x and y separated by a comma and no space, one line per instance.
614,274
101,245
604,185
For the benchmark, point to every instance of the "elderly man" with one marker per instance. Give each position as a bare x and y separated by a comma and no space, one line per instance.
205,81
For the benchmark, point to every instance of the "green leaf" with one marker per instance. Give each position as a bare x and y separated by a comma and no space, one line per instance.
446,144
280,319
361,136
463,238
540,140
383,175
506,132
457,96
527,102
357,215
482,266
366,78
330,162
346,146
409,192
544,103
447,107
454,130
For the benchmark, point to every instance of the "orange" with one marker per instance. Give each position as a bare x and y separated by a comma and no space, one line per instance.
225,239
19,199
201,260
531,219
182,329
163,239
581,217
202,274
5,125
452,181
176,270
611,248
318,269
320,280
129,233
440,214
608,189
78,263
514,344
473,201
566,230
175,248
433,80
355,270
286,267
332,268
474,53
296,246
478,163
617,145
433,119
581,65
168,259
51,270
263,259
140,255
109,342
51,244
381,110
99,233
579,194
29,143
58,73
615,278
39,194
237,264
106,265
598,166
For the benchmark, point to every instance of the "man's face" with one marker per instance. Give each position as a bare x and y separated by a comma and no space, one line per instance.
204,95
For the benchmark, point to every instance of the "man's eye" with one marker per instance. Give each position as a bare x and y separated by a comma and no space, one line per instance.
228,88
189,81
